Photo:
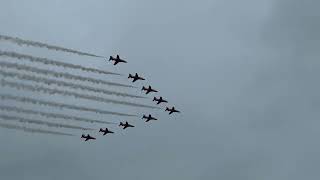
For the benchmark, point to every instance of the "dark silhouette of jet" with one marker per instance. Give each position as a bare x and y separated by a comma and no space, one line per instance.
125,125
105,131
148,90
88,137
135,77
160,100
117,60
149,118
172,110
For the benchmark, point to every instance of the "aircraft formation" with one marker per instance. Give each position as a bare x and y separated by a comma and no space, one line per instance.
42,88
147,89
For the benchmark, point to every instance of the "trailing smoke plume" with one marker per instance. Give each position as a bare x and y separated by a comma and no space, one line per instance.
70,93
60,105
65,84
20,42
47,61
60,75
39,122
33,130
51,115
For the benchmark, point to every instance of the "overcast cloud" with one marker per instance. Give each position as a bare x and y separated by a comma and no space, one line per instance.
244,73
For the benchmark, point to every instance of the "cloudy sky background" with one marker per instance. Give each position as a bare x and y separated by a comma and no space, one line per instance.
244,73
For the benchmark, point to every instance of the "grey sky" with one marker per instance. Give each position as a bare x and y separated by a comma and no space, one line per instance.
244,73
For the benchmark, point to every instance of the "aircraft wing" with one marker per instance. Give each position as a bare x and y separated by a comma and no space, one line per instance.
116,62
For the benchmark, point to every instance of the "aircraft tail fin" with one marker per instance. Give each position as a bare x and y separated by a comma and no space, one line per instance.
143,88
110,58
130,76
154,99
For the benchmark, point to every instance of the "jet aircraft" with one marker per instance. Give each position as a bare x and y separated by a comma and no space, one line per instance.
172,110
105,131
88,137
125,125
135,77
117,60
149,118
160,100
148,89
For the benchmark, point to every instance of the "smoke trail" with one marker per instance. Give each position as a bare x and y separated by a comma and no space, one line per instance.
69,93
33,130
51,115
44,45
66,84
60,105
52,62
59,75
39,122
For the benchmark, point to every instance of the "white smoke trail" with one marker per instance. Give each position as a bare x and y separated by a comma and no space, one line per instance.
20,42
65,84
33,130
60,105
60,75
52,115
52,62
70,93
39,122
